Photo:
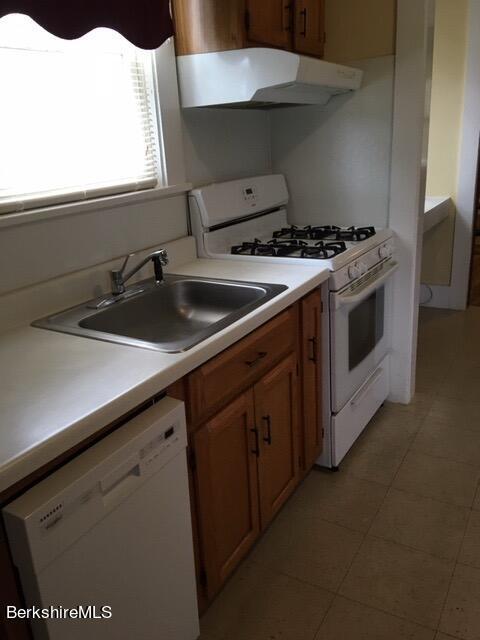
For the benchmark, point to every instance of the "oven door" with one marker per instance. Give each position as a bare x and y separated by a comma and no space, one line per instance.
360,331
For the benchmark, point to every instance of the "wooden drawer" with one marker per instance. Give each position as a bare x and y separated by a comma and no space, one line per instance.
228,374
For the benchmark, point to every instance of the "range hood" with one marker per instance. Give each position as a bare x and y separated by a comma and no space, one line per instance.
260,77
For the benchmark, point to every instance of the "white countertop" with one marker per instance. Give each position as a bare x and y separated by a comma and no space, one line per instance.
59,389
437,208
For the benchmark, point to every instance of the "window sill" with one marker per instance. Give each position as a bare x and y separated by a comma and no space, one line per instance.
96,204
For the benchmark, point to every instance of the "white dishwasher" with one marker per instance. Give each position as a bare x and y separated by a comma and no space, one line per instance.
109,535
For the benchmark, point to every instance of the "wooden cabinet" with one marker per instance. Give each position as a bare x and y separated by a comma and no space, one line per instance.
311,369
226,451
221,25
255,425
269,23
276,415
208,25
309,33
237,368
246,466
340,31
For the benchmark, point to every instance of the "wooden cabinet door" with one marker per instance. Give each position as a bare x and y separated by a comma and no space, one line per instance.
309,34
311,357
208,25
269,22
276,413
226,451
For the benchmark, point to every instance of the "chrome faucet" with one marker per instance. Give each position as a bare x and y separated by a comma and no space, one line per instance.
118,277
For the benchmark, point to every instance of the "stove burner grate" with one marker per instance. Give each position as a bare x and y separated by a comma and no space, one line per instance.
323,250
255,248
330,232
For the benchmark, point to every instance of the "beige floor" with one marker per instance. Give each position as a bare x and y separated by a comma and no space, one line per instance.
388,548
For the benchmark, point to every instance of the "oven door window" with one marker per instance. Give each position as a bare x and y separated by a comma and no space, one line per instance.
365,327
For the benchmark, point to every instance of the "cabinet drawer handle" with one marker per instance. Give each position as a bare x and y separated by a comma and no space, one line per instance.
313,349
268,421
303,13
256,451
287,17
260,356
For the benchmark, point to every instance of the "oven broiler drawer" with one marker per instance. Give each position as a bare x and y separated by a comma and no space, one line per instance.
349,423
235,369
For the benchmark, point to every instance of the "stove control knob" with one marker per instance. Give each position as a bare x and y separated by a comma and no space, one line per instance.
353,271
384,252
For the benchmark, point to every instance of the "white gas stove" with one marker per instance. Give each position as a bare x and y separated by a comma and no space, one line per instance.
247,219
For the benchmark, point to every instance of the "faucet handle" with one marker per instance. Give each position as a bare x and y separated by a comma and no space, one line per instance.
124,263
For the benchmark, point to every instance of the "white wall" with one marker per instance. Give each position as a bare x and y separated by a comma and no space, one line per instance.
221,144
456,295
35,252
448,85
413,69
337,158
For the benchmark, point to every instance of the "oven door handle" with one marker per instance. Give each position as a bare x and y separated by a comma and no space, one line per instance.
348,299
365,388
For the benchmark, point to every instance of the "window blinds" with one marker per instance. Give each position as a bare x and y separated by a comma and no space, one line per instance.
77,118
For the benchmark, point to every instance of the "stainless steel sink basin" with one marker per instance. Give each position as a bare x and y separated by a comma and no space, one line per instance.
172,316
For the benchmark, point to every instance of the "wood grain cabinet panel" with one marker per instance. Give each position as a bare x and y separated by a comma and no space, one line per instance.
269,22
311,358
208,25
309,33
235,369
276,413
226,450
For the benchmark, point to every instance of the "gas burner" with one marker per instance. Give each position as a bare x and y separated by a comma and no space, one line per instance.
324,231
331,232
255,248
323,250
286,247
354,234
295,232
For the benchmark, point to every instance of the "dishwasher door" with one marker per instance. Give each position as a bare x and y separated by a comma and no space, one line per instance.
109,535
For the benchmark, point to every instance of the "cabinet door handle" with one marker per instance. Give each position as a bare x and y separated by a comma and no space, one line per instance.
287,17
260,356
268,422
303,13
256,451
312,342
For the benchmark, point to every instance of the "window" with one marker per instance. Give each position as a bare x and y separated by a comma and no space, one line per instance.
77,118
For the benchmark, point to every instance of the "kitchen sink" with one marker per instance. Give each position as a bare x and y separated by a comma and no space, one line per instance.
170,316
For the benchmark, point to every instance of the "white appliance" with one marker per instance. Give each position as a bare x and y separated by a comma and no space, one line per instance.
112,529
260,77
247,219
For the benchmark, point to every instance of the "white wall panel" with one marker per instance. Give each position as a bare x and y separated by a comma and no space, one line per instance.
222,144
337,158
35,252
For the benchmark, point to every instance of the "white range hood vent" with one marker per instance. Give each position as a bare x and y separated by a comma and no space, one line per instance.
260,77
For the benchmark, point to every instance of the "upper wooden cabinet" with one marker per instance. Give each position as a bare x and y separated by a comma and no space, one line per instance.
309,33
269,23
339,30
221,25
208,25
